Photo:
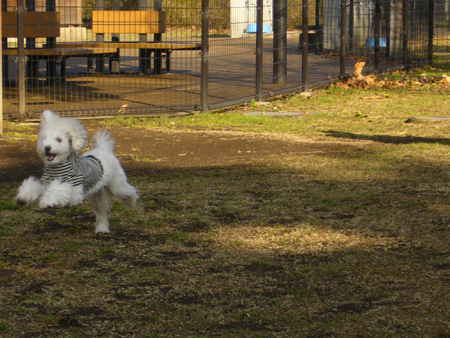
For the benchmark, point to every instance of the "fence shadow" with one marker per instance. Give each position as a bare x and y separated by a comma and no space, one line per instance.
387,138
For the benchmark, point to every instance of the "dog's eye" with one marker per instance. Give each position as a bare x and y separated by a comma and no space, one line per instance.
58,140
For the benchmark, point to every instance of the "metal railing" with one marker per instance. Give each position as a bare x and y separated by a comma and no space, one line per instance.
241,50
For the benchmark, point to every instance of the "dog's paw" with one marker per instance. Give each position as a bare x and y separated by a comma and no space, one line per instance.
58,194
102,229
43,204
29,192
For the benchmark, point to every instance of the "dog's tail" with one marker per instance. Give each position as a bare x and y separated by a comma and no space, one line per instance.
102,139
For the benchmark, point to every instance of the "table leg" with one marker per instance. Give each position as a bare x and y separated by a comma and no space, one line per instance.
158,61
168,52
51,70
63,69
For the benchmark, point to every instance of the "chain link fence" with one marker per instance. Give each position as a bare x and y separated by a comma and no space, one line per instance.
144,57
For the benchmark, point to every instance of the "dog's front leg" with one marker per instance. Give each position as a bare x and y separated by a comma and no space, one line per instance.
30,191
101,208
57,194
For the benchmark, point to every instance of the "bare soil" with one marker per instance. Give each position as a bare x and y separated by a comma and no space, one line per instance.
143,150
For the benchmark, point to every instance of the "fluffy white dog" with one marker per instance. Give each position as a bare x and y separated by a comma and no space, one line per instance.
69,178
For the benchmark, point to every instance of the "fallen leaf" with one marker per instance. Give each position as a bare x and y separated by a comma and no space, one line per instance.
357,69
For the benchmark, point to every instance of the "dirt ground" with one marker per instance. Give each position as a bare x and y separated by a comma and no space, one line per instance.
235,235
143,150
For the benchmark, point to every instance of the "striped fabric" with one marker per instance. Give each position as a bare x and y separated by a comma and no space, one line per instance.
77,170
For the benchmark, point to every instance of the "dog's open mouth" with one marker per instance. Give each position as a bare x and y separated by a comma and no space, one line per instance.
50,157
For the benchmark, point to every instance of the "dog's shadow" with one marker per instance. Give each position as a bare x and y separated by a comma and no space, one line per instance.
75,221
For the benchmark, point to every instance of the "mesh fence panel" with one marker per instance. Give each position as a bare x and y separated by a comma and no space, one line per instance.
110,57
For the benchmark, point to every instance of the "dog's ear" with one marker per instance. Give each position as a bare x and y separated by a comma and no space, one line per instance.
48,116
77,133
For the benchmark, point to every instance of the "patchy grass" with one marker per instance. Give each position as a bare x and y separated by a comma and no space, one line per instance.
342,231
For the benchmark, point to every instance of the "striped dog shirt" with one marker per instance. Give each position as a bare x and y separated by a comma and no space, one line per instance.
77,170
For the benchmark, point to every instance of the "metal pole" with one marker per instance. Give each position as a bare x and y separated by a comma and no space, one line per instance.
1,81
259,47
100,62
157,6
32,71
279,41
305,41
5,44
377,28
343,37
51,43
204,57
430,30
351,24
144,56
21,61
405,33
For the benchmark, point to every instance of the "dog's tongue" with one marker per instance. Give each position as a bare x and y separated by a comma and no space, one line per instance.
50,157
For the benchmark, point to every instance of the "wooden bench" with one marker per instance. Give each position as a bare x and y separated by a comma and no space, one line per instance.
139,23
41,25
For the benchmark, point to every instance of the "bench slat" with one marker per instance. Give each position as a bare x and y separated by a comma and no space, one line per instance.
128,22
37,25
133,45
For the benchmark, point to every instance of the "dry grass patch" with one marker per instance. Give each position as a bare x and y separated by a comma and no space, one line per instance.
295,239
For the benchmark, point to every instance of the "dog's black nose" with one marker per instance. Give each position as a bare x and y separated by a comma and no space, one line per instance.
47,148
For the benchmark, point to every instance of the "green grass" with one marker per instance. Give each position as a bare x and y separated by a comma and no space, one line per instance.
381,111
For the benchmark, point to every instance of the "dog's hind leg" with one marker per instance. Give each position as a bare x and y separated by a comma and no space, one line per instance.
101,208
121,189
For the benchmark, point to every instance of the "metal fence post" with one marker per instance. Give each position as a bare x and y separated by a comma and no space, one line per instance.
343,37
305,36
100,62
204,57
21,61
1,80
51,43
259,47
377,28
280,41
157,6
430,30
405,33
351,25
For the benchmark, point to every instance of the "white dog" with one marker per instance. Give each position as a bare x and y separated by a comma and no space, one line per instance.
68,177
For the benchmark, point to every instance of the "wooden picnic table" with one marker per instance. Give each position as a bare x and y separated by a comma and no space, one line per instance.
57,54
146,49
